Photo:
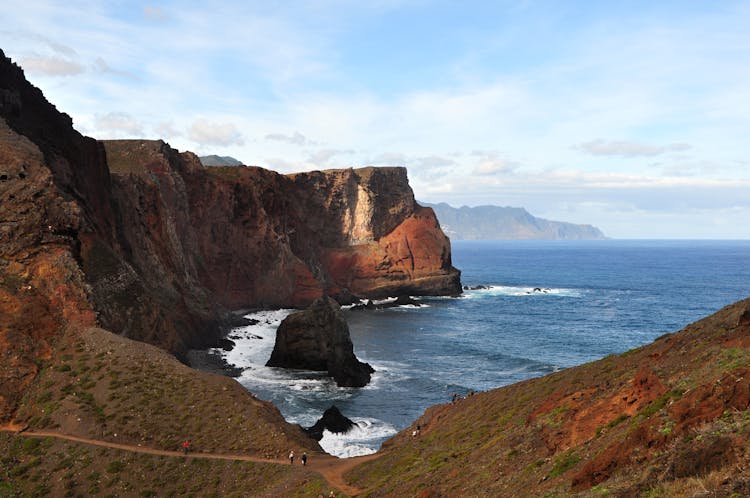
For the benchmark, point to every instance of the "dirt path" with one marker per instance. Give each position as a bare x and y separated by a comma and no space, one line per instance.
330,467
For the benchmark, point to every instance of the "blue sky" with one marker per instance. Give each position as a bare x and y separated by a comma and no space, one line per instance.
631,116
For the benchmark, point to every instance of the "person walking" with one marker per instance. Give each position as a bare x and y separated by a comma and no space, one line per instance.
291,457
185,446
304,458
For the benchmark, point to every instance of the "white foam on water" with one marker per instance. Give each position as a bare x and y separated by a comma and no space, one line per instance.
254,343
387,374
521,291
360,440
405,307
297,389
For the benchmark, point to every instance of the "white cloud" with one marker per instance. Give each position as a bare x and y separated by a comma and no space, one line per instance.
390,159
281,165
624,148
296,138
492,163
206,132
166,130
51,65
118,124
154,14
322,156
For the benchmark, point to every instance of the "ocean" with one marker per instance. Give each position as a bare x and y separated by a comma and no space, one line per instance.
542,306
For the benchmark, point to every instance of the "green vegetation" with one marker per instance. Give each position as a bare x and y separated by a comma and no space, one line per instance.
564,463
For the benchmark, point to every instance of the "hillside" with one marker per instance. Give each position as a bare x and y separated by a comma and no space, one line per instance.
668,419
506,223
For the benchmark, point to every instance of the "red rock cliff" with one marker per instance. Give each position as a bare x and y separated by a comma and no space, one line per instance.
251,237
144,241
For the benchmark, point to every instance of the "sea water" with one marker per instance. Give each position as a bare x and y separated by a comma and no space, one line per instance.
543,306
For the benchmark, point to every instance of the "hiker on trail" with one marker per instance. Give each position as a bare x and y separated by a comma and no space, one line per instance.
291,457
455,397
185,446
304,458
415,433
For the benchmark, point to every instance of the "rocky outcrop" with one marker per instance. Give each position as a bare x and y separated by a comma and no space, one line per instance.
332,421
318,339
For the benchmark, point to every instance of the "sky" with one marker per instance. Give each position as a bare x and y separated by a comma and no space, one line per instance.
630,116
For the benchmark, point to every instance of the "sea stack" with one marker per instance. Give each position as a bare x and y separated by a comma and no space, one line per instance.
318,339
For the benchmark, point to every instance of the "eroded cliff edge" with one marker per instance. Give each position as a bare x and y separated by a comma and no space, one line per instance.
144,241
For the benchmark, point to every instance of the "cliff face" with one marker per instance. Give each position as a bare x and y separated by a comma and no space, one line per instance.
146,242
44,205
251,237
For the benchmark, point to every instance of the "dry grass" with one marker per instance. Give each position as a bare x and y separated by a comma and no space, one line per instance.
32,467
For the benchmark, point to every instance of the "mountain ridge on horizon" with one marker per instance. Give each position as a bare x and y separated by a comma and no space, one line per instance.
216,160
490,222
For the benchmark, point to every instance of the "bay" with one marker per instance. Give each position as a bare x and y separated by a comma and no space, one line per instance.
542,306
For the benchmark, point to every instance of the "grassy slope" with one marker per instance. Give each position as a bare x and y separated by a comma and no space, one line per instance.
667,419
103,386
48,467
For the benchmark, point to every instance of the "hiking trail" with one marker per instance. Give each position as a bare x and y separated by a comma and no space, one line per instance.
330,467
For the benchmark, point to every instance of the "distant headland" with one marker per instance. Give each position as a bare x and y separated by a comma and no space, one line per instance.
506,223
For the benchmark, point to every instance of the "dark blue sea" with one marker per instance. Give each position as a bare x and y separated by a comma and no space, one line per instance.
547,306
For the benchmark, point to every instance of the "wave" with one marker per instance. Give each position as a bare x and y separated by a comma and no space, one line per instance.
521,291
254,343
363,439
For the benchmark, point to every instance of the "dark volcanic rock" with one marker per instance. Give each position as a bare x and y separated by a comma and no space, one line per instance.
476,287
318,339
332,420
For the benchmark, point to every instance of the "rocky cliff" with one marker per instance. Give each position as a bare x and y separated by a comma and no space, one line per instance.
146,242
